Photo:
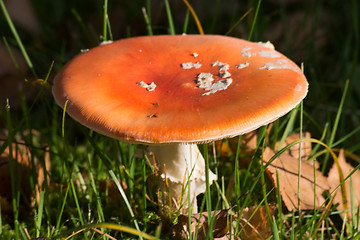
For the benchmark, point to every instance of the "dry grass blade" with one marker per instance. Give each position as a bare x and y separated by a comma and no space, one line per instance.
334,181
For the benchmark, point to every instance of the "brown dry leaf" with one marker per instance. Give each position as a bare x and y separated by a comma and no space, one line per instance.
334,181
294,150
22,154
288,169
258,227
199,224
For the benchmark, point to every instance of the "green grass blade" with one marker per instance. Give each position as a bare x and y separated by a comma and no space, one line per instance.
274,229
237,22
288,128
97,196
39,215
147,21
13,59
254,20
61,212
118,185
186,21
78,208
299,164
105,20
170,19
279,200
63,120
336,123
17,38
13,169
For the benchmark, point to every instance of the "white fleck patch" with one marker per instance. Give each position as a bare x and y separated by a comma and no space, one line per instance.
279,65
105,42
205,80
267,44
84,50
197,65
245,52
140,50
218,86
183,34
187,65
225,74
195,54
223,68
282,61
242,65
270,53
216,63
150,87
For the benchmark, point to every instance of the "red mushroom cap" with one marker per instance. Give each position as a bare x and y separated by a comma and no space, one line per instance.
172,89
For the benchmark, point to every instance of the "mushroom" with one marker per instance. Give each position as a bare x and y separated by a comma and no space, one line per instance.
106,90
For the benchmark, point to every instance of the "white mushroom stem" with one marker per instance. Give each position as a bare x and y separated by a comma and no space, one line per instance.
183,166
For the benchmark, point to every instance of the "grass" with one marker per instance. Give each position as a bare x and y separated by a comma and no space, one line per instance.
99,188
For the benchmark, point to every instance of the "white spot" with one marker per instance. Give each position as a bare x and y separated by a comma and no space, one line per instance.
216,63
245,52
267,44
187,65
197,65
140,50
270,53
223,68
84,50
150,87
105,42
218,86
195,54
280,64
225,74
205,80
242,65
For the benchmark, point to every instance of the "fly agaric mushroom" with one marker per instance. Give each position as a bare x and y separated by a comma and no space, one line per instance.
228,88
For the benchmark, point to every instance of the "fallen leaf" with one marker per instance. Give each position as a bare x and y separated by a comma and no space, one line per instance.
294,150
288,168
258,227
199,224
22,169
334,181
253,224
